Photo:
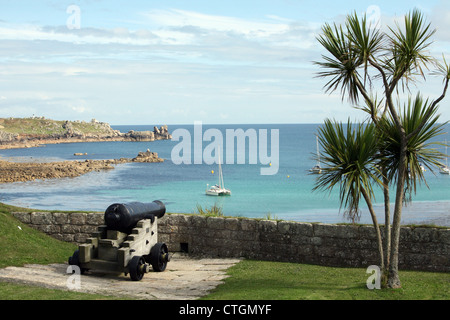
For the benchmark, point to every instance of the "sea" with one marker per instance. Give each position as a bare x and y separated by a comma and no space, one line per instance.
287,195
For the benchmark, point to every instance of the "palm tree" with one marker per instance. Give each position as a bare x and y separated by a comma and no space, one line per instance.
350,162
361,56
421,150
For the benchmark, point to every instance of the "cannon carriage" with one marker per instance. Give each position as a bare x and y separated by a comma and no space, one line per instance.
127,243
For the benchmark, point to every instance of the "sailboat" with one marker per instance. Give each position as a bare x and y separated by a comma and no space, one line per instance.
445,169
316,169
218,189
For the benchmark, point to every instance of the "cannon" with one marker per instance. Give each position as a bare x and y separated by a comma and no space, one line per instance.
126,243
124,216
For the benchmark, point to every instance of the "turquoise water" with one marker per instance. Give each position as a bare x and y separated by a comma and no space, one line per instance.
287,195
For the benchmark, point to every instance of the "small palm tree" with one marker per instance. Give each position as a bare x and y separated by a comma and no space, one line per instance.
420,152
349,161
360,56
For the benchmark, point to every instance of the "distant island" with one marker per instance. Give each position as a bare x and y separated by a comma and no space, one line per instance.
35,131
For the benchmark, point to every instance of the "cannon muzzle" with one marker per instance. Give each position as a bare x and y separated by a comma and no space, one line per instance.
124,216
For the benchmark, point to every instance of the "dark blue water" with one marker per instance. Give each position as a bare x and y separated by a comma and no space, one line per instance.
286,195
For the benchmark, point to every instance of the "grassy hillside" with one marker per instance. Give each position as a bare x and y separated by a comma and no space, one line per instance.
20,244
40,126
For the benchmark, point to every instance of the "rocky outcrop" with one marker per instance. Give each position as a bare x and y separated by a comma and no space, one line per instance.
32,132
14,171
139,135
157,134
6,137
147,156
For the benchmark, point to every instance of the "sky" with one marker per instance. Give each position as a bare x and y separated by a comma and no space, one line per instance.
180,61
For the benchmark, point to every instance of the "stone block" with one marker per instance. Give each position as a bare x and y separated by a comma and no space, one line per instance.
24,217
302,229
48,228
284,227
80,237
444,235
95,218
232,224
368,232
215,223
336,231
61,217
249,225
423,235
405,234
198,221
78,218
178,220
305,250
70,229
41,218
88,229
266,226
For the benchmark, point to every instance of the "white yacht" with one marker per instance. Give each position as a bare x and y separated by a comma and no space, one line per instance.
218,189
317,169
445,169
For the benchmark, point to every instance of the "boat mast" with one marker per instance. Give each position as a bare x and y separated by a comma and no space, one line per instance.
221,184
318,153
446,155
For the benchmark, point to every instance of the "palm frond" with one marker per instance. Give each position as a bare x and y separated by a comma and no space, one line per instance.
408,47
442,70
342,63
367,40
348,160
421,147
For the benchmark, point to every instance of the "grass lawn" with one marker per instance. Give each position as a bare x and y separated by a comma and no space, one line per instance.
13,291
263,280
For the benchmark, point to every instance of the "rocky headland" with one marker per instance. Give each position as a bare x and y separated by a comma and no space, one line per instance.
28,171
35,131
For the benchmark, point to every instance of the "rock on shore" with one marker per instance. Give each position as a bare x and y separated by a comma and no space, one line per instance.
19,171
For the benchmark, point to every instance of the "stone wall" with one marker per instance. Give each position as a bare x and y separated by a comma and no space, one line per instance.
71,227
425,249
421,248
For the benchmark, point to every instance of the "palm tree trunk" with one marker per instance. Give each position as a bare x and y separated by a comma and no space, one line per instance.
376,226
387,228
394,279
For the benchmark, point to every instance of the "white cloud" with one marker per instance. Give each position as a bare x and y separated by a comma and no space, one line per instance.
183,18
440,19
80,109
81,36
180,66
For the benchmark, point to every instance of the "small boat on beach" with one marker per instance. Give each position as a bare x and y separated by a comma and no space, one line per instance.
218,189
317,169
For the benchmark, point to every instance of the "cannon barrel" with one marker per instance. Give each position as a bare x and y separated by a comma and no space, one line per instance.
124,216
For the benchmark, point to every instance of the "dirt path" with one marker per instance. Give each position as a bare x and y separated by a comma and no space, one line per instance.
185,278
